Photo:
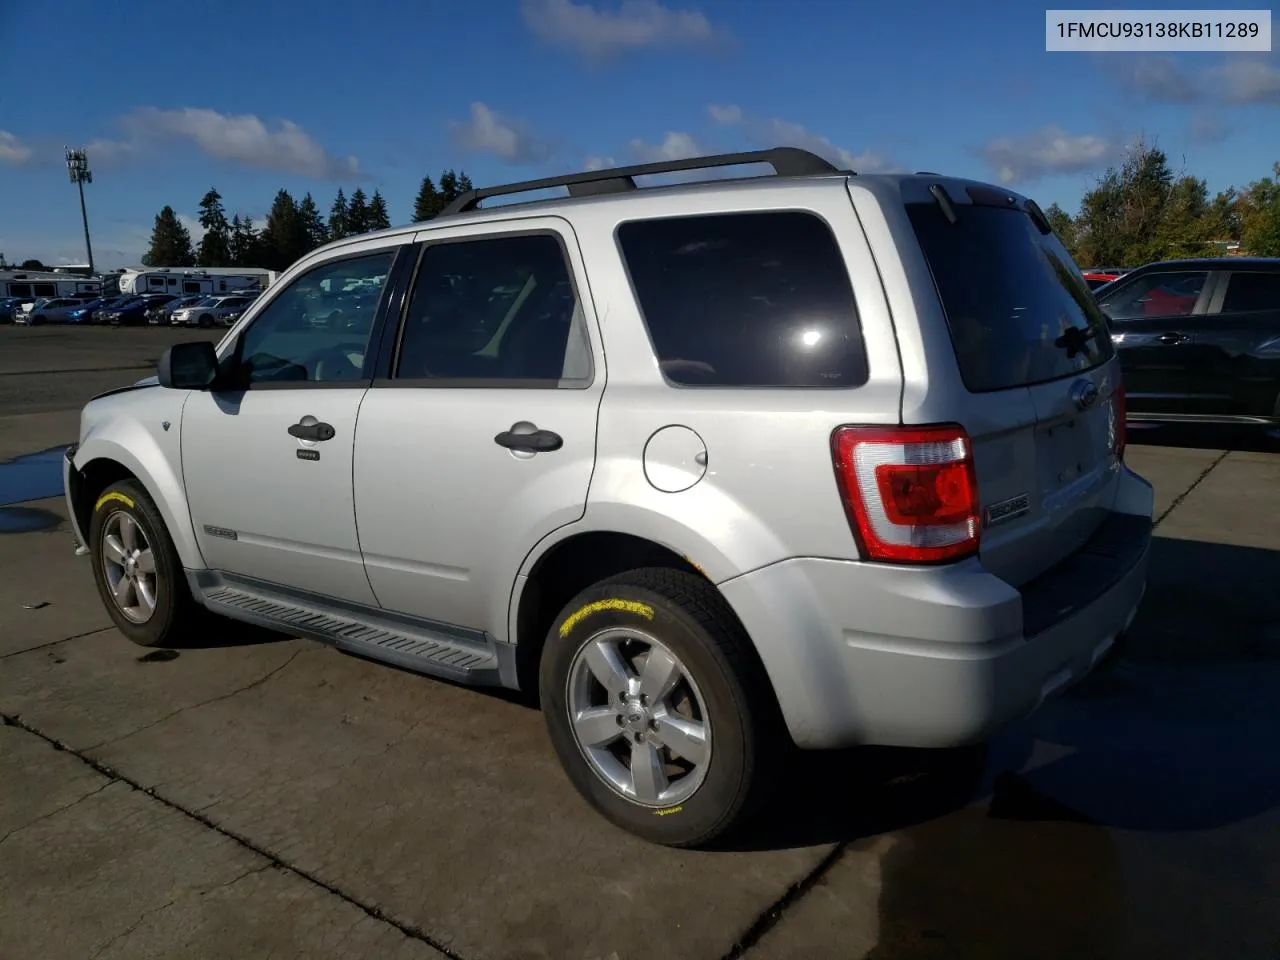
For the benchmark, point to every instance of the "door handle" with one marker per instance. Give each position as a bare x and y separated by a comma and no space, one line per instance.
312,431
527,437
1173,338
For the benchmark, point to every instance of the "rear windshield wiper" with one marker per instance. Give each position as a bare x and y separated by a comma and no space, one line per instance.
944,203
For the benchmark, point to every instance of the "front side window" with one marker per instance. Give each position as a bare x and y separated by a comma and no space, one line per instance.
317,328
1172,294
497,309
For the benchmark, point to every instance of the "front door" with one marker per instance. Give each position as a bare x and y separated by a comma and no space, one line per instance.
267,463
483,441
1155,318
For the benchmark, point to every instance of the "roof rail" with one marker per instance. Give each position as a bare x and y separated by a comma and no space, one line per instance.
786,162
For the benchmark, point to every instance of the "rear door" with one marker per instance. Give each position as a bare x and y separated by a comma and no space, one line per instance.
1037,381
482,440
1156,318
1239,338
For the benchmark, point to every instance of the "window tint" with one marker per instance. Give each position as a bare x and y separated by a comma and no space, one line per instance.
318,327
1017,308
45,289
746,300
1172,294
496,309
1252,291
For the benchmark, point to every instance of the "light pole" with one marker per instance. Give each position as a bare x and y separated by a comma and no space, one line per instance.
78,170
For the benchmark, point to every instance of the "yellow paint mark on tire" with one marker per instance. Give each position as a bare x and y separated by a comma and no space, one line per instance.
666,812
599,606
113,495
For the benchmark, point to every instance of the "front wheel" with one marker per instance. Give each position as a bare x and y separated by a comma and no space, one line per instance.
658,708
137,570
206,321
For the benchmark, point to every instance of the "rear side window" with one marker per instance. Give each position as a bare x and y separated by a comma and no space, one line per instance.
757,299
1247,292
1017,308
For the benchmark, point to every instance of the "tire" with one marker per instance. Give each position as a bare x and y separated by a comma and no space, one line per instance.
175,614
687,619
38,319
206,321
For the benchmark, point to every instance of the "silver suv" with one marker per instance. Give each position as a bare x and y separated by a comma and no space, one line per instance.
719,469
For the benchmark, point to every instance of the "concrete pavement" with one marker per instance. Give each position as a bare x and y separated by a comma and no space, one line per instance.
267,796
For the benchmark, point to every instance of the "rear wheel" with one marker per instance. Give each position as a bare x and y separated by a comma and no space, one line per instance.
657,707
136,568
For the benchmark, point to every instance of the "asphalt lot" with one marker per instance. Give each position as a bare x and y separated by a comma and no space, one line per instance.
267,796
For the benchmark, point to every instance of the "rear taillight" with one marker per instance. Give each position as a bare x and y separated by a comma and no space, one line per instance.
910,492
1120,409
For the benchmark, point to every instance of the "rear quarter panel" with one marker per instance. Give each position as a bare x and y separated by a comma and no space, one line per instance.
769,490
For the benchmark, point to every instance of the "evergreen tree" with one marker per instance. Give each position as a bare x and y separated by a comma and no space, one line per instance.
338,214
379,219
449,187
428,203
215,245
313,227
1260,216
284,237
170,243
358,213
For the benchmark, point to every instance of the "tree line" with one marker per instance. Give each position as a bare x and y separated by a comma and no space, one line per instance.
292,228
1143,211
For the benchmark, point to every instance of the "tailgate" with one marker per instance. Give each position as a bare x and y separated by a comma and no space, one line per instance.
1038,375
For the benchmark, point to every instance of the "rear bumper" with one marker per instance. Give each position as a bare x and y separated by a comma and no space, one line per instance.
863,653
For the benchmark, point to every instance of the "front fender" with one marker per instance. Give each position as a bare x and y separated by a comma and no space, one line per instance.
156,464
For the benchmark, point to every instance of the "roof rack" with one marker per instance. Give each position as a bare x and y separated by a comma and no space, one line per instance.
786,162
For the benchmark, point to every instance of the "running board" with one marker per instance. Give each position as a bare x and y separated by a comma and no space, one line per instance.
473,659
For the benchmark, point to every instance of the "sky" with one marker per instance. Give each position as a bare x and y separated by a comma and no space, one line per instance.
170,99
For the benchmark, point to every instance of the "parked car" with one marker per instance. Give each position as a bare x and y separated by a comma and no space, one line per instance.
84,312
8,305
47,310
162,313
211,311
846,486
1096,279
133,312
99,314
1199,340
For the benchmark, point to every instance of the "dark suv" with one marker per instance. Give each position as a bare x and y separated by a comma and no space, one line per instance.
1199,340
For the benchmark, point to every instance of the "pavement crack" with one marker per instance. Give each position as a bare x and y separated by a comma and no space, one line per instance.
54,643
202,703
773,913
409,930
54,813
1177,501
132,927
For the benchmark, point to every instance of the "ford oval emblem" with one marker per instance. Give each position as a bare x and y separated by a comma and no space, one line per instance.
1084,393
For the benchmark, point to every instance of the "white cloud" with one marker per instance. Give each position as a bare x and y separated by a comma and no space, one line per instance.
674,146
242,138
634,24
776,132
599,163
1047,151
12,150
1239,81
1247,82
489,132
725,114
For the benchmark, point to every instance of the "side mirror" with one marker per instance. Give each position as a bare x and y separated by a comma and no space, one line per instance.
188,366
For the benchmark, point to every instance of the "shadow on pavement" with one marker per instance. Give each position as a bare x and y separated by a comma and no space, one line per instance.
1206,437
1176,737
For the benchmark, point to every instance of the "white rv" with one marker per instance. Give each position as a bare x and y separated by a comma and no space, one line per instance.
184,281
37,284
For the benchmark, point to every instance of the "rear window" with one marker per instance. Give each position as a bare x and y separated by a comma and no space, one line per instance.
1018,311
756,299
